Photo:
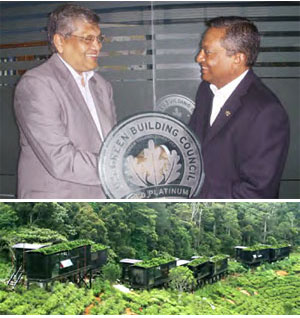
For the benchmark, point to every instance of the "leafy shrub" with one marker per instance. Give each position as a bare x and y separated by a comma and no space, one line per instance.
111,272
256,247
98,247
65,246
5,269
197,261
156,261
101,286
31,234
3,286
236,267
22,309
182,279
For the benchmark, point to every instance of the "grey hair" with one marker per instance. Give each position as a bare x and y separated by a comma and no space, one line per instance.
241,36
61,21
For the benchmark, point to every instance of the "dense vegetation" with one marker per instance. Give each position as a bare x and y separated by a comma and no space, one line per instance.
270,289
156,261
61,247
198,261
143,230
262,291
150,230
65,299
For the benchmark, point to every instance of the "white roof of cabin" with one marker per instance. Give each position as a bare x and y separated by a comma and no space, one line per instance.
130,260
181,262
28,246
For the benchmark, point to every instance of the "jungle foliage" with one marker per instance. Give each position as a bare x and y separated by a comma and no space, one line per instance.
198,261
156,261
144,230
61,247
270,289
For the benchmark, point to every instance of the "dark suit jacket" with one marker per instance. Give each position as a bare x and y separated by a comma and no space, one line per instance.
59,140
245,150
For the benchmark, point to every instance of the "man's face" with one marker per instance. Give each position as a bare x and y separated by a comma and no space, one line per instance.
82,56
216,66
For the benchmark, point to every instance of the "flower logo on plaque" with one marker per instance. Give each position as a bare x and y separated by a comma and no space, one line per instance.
151,155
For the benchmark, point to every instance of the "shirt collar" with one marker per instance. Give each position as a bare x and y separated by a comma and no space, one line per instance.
86,75
228,89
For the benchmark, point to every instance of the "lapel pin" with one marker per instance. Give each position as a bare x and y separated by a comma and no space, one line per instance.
227,113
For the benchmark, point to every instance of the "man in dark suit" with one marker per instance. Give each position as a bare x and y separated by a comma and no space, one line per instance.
64,110
242,126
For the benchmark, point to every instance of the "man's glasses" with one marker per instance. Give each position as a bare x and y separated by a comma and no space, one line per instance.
90,38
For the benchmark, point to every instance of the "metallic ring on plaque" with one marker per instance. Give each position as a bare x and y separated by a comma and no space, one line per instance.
151,155
176,105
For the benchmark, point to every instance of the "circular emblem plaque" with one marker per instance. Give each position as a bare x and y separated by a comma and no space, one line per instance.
176,105
151,155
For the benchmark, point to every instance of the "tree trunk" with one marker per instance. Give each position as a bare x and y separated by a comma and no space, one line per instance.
265,231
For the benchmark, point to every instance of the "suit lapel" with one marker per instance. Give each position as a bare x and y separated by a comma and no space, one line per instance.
231,106
201,117
227,112
78,100
70,86
206,117
98,96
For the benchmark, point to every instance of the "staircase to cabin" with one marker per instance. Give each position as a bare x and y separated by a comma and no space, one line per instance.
15,277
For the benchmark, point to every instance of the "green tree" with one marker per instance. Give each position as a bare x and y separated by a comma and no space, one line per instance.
23,210
88,225
118,229
130,225
182,279
8,216
111,272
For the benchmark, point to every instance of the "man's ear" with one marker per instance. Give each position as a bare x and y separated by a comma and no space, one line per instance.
240,59
58,41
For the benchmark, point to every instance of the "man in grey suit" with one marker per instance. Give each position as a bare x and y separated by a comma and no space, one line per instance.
64,110
242,126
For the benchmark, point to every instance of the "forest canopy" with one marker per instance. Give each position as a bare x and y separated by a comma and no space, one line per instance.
145,230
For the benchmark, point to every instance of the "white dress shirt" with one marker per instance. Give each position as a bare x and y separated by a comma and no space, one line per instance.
221,95
83,84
